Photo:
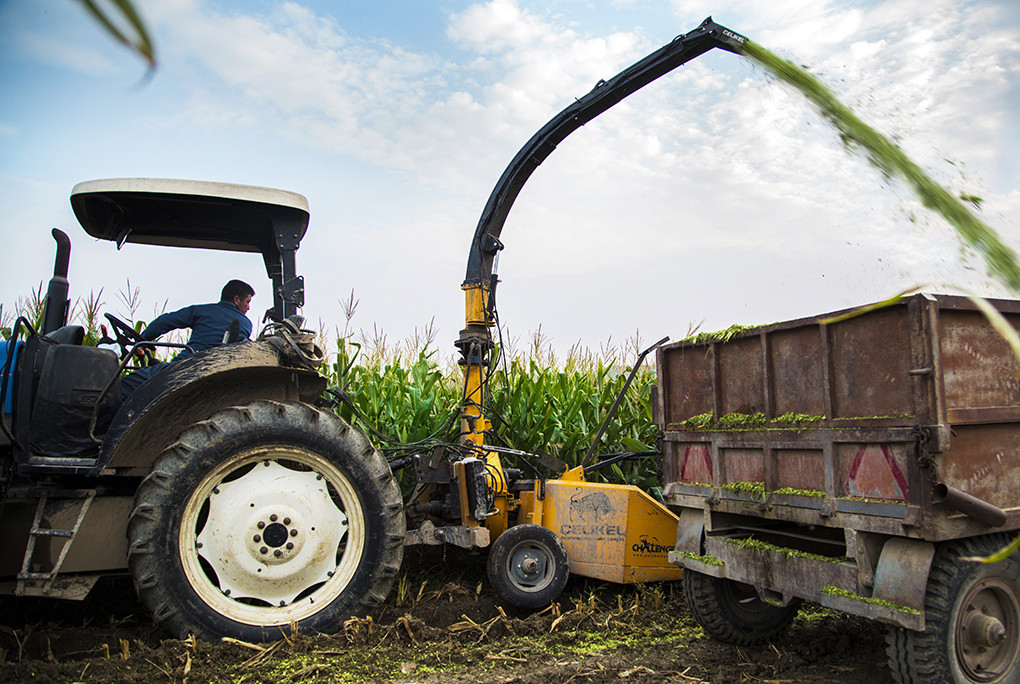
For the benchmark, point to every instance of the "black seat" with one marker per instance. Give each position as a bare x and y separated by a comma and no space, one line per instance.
69,334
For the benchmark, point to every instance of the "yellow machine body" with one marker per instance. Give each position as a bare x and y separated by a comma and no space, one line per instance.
615,533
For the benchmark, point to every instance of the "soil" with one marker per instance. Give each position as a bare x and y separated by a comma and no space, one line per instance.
441,623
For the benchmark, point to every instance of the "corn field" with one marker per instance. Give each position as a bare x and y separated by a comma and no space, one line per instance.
407,396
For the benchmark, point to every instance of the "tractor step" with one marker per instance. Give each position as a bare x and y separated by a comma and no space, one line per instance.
50,504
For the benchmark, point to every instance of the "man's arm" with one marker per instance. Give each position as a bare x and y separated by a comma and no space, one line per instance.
175,320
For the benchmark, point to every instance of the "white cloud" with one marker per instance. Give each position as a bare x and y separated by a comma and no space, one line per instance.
497,26
713,192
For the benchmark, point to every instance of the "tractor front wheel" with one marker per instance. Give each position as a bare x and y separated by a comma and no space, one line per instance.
262,517
528,567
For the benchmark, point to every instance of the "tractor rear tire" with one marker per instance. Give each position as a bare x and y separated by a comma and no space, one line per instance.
528,567
262,517
732,612
972,619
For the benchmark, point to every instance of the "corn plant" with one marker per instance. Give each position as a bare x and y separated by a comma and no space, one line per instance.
558,410
407,398
410,395
87,311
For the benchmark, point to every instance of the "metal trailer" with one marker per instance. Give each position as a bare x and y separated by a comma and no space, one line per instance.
855,460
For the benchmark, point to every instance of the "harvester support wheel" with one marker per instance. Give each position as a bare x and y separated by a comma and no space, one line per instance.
261,517
971,615
528,566
733,612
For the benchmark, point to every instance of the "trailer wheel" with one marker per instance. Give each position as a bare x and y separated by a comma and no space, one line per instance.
262,517
972,619
528,566
731,611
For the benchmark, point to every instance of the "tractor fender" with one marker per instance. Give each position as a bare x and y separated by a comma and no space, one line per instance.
191,390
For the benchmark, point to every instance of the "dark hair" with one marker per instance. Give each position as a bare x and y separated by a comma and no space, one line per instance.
236,288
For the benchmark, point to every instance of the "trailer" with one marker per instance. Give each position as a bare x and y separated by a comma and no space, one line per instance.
859,460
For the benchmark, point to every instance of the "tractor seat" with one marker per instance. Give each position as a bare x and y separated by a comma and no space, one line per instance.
69,334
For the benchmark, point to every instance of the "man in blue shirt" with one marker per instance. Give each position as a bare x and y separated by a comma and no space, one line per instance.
210,326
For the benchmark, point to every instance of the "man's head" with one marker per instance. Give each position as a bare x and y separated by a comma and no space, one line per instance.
238,292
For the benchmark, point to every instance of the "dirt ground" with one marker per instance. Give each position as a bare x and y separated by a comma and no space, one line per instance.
440,624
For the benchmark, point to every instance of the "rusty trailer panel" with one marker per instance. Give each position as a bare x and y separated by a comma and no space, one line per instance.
854,422
827,458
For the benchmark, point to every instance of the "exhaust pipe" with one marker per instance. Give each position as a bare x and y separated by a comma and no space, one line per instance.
958,500
55,308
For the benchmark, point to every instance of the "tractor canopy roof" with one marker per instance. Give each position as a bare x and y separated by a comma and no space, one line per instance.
206,215
185,213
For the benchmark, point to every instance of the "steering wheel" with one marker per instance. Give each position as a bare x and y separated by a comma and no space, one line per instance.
126,337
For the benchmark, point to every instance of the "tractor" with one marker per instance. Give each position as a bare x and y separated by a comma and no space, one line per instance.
237,505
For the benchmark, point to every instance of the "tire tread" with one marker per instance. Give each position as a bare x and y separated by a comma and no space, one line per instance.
159,495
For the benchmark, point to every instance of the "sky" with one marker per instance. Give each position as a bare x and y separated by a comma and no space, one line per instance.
714,196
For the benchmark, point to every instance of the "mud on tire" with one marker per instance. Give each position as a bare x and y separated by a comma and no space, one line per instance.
262,516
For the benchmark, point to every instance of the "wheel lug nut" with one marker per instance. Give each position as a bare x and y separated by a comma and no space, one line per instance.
290,545
272,518
293,532
257,539
278,553
264,550
286,521
260,525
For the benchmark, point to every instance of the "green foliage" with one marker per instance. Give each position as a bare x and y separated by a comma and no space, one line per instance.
702,421
889,158
123,23
836,591
30,307
790,491
719,335
87,310
411,396
757,489
745,421
706,559
797,418
558,410
408,400
741,420
760,546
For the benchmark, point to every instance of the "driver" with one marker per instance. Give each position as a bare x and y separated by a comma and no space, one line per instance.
211,325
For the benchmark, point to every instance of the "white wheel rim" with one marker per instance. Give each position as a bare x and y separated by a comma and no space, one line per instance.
272,536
